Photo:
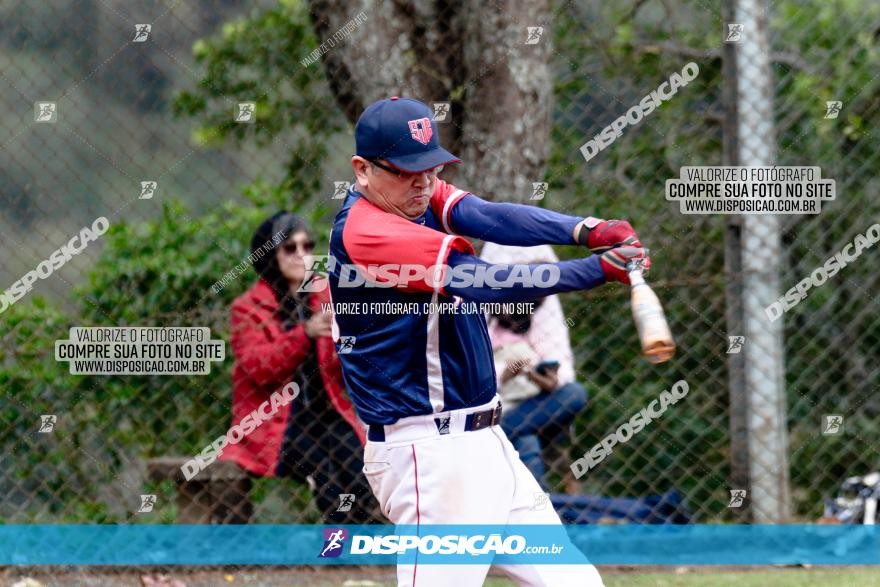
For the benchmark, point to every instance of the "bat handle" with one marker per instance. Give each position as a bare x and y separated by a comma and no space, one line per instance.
636,277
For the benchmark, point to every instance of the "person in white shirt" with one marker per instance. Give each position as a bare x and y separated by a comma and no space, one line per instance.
534,366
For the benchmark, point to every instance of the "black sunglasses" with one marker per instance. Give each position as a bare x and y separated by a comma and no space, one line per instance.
291,248
403,174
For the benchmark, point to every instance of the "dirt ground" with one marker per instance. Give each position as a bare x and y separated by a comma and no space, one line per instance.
70,576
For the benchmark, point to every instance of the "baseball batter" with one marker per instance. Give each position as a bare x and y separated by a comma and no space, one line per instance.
424,382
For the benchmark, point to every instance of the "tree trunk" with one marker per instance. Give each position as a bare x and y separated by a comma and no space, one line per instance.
470,54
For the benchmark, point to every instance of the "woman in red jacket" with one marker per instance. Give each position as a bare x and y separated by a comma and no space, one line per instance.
281,335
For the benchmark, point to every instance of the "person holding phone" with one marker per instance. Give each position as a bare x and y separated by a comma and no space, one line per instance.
534,366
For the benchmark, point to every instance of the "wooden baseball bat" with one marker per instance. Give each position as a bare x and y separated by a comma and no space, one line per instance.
656,338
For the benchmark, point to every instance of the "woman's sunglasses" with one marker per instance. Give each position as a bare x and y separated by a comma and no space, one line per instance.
291,248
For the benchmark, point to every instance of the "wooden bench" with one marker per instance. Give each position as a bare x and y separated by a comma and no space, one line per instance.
216,495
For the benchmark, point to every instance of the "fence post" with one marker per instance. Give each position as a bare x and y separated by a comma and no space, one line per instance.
763,371
733,294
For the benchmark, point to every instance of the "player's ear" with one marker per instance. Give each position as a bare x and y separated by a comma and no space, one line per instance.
360,167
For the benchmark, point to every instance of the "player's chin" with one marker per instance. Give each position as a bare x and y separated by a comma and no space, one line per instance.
417,205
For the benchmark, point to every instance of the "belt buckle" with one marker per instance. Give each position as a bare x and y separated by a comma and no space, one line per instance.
442,424
496,415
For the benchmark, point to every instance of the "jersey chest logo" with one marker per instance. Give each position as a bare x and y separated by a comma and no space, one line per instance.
421,130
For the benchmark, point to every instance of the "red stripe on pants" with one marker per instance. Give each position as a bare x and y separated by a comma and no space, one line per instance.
418,513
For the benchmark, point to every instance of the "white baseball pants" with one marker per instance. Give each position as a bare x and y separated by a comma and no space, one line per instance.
421,476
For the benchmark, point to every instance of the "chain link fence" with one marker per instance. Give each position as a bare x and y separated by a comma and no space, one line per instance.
144,129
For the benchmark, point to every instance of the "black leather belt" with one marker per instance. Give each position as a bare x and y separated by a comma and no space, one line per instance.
473,421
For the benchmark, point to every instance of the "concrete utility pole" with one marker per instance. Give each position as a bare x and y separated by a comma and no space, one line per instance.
763,370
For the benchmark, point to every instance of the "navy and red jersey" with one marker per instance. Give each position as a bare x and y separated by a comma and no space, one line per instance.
412,363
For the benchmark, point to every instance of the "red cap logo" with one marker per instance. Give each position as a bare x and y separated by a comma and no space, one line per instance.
421,130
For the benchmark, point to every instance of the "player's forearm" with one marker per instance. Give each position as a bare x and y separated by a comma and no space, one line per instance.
475,280
512,224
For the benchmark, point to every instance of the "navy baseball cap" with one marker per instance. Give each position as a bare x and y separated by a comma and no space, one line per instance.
403,132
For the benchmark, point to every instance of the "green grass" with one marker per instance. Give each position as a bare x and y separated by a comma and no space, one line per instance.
815,577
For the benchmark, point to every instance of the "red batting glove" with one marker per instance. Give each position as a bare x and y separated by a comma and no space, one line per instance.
601,235
614,262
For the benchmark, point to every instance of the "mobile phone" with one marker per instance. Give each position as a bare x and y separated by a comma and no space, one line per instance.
544,366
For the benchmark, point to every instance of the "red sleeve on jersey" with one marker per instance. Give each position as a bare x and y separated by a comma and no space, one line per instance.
444,198
388,248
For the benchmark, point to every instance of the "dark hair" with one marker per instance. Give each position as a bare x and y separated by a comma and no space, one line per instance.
264,245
